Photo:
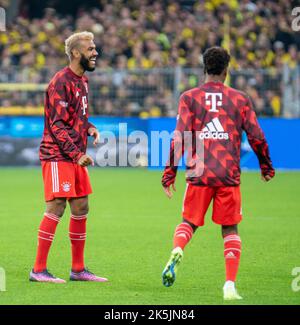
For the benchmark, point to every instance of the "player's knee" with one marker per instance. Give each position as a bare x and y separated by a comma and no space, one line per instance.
57,207
60,208
81,209
84,209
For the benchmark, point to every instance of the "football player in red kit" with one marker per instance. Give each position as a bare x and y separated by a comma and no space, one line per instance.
217,115
64,159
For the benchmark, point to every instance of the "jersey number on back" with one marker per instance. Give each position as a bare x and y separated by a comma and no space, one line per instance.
213,100
84,104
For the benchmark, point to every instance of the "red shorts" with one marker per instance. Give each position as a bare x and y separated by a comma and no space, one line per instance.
226,204
65,179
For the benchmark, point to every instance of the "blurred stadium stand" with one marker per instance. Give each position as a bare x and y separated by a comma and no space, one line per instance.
151,52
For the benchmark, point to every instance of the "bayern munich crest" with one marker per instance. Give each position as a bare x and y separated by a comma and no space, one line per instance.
66,186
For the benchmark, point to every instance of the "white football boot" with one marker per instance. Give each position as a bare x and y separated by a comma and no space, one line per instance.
230,292
170,271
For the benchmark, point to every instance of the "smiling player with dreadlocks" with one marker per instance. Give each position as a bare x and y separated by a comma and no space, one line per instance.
64,159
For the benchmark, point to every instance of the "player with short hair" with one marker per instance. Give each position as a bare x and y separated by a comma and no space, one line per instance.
217,115
64,159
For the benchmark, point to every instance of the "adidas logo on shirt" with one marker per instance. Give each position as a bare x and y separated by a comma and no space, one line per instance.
214,130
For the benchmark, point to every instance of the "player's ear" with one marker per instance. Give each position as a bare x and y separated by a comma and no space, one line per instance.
75,53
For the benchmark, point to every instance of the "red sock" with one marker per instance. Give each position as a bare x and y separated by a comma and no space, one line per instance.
183,234
45,238
232,253
77,232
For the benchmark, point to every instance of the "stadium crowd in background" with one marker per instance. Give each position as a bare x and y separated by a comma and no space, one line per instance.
156,35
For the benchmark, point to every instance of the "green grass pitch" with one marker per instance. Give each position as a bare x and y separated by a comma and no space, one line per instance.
130,232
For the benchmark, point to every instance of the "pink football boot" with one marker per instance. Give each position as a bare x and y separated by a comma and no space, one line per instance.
86,275
44,276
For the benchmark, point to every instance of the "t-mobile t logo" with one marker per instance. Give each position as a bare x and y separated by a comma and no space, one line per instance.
214,101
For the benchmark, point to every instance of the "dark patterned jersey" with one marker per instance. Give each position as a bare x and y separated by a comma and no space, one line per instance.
210,122
66,117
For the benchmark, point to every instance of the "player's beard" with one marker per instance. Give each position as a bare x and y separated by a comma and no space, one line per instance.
84,62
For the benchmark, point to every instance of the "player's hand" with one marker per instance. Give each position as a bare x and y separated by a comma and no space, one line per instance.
168,191
266,178
95,134
85,160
